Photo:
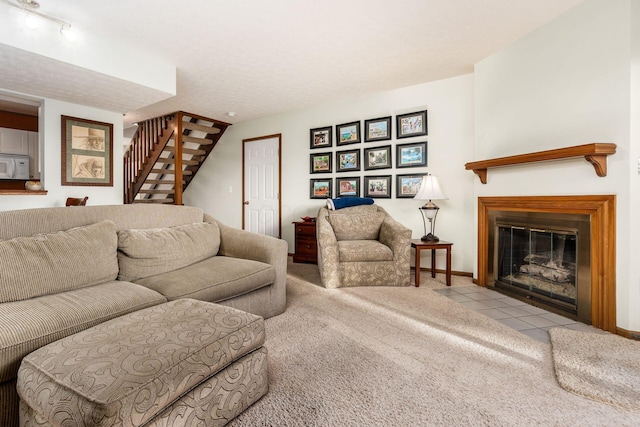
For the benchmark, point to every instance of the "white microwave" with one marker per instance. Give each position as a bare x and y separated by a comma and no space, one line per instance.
14,166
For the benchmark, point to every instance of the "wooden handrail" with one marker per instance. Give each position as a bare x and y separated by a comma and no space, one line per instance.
595,153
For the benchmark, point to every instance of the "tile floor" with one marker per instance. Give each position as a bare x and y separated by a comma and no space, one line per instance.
525,318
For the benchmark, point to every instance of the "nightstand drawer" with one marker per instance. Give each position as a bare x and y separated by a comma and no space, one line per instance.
306,229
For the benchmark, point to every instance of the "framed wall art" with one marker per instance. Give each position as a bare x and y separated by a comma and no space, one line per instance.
377,186
320,188
348,133
320,163
348,186
321,137
377,129
347,161
87,152
411,124
407,185
377,157
411,155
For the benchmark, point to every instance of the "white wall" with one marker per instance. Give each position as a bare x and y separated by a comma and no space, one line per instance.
450,145
567,83
51,156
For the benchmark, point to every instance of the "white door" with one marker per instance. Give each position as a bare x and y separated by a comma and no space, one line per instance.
261,187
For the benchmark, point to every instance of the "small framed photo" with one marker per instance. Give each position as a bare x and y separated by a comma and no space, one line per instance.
87,156
411,124
321,137
377,129
411,155
347,161
348,133
377,186
407,186
321,163
320,188
377,158
348,186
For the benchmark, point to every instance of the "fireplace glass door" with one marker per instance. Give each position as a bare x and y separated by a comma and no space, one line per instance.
538,262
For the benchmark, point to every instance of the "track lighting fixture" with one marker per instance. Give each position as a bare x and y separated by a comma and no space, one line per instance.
33,16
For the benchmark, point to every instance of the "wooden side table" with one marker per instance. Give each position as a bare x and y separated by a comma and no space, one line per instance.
418,245
306,243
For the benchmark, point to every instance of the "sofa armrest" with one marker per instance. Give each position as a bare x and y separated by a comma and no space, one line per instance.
244,244
328,254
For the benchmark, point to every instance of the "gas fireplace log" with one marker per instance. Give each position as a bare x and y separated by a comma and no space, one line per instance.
558,275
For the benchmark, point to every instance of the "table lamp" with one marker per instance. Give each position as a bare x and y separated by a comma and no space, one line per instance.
429,190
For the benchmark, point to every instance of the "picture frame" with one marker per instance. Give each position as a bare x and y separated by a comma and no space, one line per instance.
411,155
377,186
407,186
87,152
348,186
377,157
321,137
348,160
320,188
348,133
320,162
377,129
411,124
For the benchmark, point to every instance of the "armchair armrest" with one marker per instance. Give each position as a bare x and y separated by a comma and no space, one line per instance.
328,255
396,236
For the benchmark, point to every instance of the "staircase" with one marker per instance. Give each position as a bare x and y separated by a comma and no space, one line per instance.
165,154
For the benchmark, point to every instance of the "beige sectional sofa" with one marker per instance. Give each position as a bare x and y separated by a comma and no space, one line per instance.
63,270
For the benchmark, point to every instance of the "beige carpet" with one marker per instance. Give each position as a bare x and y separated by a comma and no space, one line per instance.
388,356
603,367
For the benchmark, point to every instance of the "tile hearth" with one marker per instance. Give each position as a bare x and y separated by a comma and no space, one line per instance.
525,318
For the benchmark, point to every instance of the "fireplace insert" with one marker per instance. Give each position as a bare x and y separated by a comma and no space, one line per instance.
543,259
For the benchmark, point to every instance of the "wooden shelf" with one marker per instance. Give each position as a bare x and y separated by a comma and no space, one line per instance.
595,153
22,192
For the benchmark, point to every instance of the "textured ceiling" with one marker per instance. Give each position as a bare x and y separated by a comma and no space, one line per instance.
258,58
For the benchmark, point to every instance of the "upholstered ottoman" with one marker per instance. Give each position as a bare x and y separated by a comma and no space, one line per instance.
183,363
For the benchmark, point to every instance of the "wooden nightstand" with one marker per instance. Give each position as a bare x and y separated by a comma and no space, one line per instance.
306,244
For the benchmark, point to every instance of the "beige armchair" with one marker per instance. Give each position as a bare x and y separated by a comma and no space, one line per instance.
362,246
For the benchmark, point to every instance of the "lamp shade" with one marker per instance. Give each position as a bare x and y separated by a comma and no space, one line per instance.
430,189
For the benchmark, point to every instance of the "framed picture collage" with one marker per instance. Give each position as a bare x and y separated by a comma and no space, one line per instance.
371,150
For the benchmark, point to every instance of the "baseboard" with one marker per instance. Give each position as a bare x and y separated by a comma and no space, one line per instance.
632,335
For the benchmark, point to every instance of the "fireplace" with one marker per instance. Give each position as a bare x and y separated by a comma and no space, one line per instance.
552,232
542,258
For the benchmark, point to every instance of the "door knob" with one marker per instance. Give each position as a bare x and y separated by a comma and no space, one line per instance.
246,202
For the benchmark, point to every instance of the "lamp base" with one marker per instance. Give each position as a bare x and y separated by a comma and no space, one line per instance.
430,238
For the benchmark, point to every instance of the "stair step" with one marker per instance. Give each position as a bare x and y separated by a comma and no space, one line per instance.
143,191
169,171
191,151
198,127
196,140
184,162
153,201
161,181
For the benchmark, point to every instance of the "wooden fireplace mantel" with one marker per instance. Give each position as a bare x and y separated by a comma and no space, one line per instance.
595,153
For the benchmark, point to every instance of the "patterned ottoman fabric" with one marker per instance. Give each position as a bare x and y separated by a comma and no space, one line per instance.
166,362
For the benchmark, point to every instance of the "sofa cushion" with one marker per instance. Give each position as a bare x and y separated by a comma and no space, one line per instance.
364,250
356,226
30,324
147,252
48,263
214,279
